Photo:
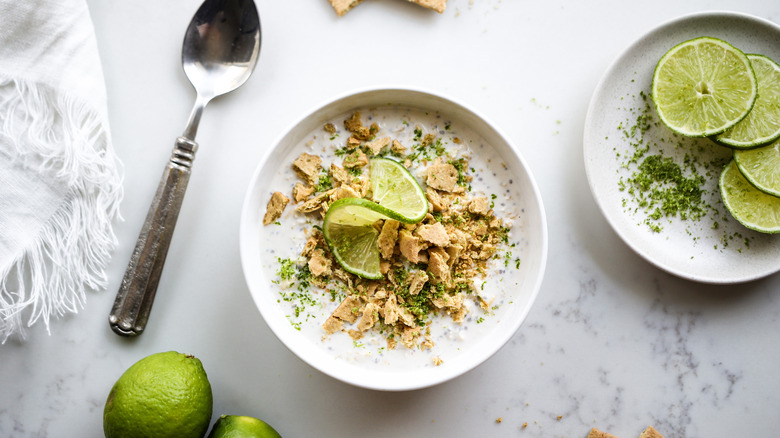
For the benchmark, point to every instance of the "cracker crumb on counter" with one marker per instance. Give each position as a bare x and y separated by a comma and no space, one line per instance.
343,6
499,419
650,432
595,433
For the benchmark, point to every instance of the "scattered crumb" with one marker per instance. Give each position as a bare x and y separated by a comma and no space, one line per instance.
595,433
499,419
275,207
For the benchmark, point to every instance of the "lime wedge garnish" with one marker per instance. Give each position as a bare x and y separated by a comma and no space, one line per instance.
762,124
761,166
751,207
393,187
349,231
703,87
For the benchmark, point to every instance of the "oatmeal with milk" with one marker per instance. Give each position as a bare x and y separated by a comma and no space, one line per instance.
441,278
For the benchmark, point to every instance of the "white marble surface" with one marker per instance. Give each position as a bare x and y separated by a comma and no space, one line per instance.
611,342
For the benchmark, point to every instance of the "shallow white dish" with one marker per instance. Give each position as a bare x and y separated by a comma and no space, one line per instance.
375,368
701,251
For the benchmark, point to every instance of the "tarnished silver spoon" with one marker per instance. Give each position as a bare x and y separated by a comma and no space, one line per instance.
219,53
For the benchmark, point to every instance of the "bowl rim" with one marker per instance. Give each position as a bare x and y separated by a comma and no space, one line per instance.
440,376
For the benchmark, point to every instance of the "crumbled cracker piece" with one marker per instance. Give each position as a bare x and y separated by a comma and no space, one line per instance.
397,148
437,264
339,175
436,201
357,158
342,6
479,205
319,264
329,128
435,5
595,433
417,280
302,192
409,336
434,233
369,318
650,432
331,325
275,207
442,176
387,238
308,167
314,203
437,361
348,310
376,145
499,419
353,123
410,246
343,192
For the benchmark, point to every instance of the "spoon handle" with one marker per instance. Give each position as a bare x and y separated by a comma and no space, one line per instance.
136,293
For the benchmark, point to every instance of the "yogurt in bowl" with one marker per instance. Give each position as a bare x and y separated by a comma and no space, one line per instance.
501,295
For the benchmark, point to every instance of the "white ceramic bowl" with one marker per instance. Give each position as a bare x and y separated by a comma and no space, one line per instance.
373,366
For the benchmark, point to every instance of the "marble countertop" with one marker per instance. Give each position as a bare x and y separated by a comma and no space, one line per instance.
611,342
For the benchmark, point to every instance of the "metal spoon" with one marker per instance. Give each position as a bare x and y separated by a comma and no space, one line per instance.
219,53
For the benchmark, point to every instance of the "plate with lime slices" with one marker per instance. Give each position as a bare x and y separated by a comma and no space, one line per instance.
412,246
663,125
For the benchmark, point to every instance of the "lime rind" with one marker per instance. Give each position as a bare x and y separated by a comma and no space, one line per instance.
350,234
395,188
702,87
762,125
749,206
761,167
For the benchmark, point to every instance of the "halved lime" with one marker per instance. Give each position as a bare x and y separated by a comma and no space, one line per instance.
751,207
703,86
393,187
761,166
762,124
351,236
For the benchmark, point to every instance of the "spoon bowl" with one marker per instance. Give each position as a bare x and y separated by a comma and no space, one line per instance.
219,53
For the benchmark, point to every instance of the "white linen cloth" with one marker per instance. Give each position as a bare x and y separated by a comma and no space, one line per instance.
60,183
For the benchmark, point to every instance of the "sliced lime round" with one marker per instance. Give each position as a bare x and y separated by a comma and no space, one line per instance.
761,166
350,233
393,187
762,125
751,207
703,86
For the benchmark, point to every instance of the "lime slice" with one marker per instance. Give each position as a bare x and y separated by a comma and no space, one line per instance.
396,189
703,87
349,231
751,207
761,166
762,124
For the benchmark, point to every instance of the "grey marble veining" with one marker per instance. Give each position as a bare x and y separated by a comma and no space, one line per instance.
611,342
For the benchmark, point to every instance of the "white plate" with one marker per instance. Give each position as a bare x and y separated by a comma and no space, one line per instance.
689,249
372,366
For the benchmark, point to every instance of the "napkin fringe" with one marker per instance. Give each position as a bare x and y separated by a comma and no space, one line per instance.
69,256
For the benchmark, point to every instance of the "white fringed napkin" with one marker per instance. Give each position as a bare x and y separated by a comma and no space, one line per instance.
60,184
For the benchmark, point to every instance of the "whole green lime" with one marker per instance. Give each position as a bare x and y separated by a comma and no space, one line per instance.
239,426
160,396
